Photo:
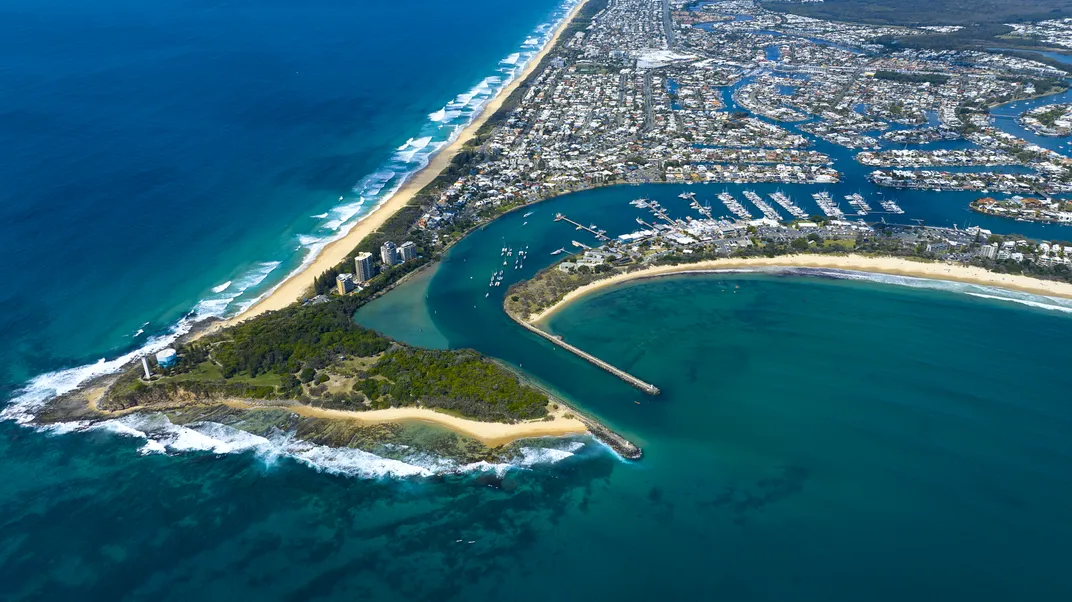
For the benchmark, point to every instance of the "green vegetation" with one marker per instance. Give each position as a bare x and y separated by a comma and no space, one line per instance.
462,382
1050,116
548,287
284,341
317,354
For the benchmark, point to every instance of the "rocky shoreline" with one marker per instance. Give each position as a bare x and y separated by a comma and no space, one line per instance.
384,439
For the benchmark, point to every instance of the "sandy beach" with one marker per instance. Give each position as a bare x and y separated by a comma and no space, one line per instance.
295,287
880,265
489,433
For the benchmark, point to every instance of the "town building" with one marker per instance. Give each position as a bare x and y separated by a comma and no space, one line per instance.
363,267
988,251
407,251
345,283
389,254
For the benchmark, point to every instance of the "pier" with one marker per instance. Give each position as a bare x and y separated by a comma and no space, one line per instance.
648,388
601,235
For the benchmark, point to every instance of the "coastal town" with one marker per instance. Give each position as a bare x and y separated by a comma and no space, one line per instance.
643,91
726,92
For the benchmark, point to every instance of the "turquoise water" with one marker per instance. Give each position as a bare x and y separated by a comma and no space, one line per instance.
815,440
815,437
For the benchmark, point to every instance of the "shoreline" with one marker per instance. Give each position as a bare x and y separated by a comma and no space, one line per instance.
82,405
492,434
296,284
894,266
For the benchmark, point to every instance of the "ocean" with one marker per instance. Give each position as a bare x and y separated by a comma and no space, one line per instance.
819,436
173,160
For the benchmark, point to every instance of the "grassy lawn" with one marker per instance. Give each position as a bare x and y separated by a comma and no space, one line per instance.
845,245
207,371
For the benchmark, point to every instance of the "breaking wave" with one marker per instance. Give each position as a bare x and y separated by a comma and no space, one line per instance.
161,436
442,127
43,387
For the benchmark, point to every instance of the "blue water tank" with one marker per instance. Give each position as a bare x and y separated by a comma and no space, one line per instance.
166,358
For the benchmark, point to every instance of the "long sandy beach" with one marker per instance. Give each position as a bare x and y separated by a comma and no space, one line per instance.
489,433
896,266
298,283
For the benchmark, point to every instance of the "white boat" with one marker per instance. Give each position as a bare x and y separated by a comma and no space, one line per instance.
787,204
828,205
734,206
767,210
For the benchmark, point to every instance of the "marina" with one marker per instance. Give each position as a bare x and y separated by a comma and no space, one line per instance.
891,207
734,205
767,210
786,203
857,200
828,205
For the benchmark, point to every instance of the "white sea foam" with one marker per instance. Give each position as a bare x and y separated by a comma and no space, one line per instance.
407,151
222,287
372,184
1049,304
160,436
217,306
43,387
512,59
439,115
319,216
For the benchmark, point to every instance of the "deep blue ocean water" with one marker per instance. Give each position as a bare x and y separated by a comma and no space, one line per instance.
816,439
